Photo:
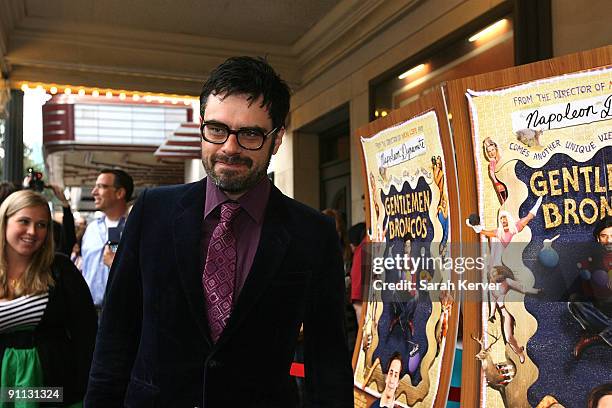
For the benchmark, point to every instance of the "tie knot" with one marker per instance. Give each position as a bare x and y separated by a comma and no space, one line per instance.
229,211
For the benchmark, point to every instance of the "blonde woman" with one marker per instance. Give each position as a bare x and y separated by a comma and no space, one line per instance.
493,156
47,319
507,228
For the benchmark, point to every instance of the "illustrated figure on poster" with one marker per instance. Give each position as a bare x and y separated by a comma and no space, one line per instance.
493,155
549,402
395,327
600,396
401,315
438,172
369,342
504,276
377,233
507,228
392,379
442,213
446,302
497,374
383,174
442,209
595,313
379,248
409,274
529,137
402,305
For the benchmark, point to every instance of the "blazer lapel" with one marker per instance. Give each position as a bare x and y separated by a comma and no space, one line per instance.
187,240
273,245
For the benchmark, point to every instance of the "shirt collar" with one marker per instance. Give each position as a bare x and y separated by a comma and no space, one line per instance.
254,201
102,218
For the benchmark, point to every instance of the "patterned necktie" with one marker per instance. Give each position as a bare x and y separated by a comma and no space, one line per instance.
220,271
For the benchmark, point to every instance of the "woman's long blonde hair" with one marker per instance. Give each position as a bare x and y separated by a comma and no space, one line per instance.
489,142
37,277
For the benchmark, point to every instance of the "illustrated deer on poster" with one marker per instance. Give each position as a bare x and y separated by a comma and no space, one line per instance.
498,374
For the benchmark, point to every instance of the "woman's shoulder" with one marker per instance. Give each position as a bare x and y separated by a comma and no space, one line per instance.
63,267
61,260
68,279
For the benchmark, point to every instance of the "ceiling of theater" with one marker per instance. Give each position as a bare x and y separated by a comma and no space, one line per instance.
280,22
169,46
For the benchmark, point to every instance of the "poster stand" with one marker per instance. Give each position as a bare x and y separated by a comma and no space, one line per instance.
429,169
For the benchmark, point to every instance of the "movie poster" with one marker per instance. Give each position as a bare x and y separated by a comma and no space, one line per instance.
409,300
543,154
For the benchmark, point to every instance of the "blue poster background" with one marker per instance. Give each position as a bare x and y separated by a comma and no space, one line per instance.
560,374
403,321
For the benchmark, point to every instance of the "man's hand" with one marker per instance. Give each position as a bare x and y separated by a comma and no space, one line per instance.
26,181
108,256
59,193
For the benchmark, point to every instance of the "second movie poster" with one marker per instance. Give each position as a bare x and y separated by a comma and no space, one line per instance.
406,321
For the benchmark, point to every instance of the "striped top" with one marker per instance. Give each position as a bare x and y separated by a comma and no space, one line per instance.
23,312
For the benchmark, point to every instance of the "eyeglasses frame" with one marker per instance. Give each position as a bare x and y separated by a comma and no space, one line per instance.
231,131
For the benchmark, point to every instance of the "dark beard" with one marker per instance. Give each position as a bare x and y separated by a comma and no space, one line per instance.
232,183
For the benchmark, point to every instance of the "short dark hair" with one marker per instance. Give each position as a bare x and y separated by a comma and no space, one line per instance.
395,356
122,180
253,77
602,225
356,233
598,393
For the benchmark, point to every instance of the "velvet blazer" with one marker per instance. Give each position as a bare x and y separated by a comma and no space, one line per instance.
154,348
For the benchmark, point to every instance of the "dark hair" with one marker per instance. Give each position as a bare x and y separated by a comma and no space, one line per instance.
598,393
602,225
122,180
253,77
6,189
396,356
356,233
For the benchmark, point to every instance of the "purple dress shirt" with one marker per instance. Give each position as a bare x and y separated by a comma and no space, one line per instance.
246,226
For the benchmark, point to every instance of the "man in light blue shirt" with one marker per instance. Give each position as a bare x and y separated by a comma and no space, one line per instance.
111,194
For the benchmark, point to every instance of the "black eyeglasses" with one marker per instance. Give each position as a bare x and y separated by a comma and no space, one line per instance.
248,138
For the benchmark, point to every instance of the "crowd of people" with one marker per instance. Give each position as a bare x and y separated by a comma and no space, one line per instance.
46,307
49,271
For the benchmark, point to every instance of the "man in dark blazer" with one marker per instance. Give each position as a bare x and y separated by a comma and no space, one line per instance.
164,341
